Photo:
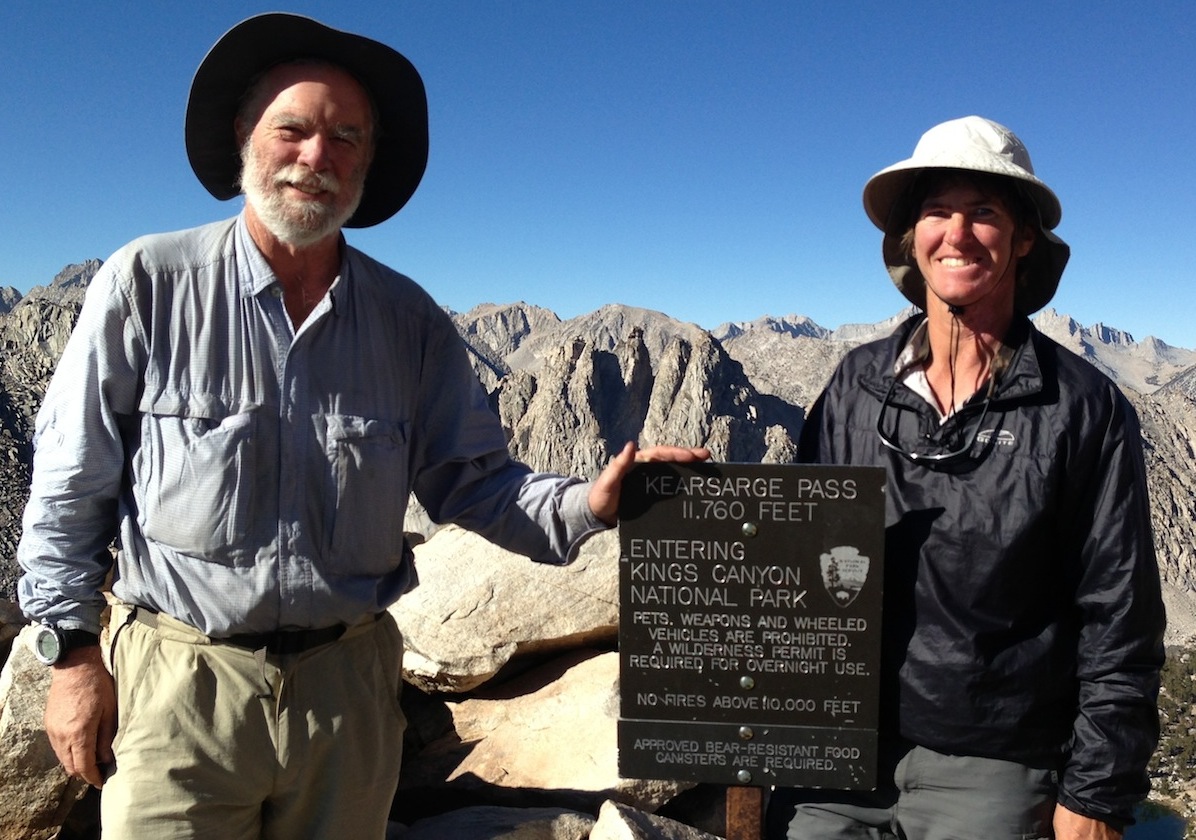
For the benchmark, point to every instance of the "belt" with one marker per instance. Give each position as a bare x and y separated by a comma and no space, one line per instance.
285,641
280,642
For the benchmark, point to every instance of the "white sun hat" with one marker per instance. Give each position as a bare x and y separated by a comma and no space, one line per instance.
971,144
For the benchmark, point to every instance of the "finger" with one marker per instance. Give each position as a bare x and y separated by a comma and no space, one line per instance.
604,494
86,765
617,467
64,750
104,753
78,758
682,454
68,763
87,768
622,462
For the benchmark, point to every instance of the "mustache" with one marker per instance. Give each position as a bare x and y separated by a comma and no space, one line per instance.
298,175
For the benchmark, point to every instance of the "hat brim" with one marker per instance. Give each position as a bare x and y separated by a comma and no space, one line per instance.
260,42
885,190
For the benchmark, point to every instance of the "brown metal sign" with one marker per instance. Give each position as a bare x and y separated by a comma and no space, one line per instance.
749,631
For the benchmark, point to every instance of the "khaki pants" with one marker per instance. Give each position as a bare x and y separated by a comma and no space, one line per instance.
218,742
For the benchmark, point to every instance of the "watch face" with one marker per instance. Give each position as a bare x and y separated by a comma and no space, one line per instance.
47,646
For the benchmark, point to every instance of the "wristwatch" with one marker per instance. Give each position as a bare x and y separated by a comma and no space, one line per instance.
52,644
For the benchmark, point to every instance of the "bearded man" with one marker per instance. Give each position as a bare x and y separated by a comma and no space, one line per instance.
246,406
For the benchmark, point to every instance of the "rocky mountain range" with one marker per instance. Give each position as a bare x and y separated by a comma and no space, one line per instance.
571,392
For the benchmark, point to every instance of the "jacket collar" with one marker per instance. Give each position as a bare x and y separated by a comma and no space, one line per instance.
1022,378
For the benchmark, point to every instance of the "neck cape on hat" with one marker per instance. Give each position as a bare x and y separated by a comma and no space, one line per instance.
258,43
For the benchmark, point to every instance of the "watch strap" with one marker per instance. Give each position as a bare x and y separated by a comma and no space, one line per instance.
74,639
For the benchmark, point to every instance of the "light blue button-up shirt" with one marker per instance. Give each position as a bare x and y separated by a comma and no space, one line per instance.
258,475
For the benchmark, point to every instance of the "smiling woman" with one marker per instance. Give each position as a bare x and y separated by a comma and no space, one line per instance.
967,239
967,245
1010,460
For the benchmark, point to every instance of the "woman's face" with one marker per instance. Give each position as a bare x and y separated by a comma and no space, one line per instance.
966,244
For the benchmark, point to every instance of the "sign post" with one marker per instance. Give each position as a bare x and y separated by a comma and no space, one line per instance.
745,812
749,631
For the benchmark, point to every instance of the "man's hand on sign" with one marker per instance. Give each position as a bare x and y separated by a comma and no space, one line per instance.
604,492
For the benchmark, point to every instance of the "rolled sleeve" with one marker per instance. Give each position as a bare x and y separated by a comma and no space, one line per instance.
70,520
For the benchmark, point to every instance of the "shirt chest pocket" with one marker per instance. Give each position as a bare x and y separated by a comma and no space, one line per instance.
368,458
193,480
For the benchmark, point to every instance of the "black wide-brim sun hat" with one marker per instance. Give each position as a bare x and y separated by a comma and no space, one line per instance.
258,43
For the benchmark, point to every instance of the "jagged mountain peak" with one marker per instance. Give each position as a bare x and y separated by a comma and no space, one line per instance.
1060,326
605,328
504,326
9,297
791,325
587,398
1109,335
1056,324
77,274
611,323
1139,366
519,312
859,333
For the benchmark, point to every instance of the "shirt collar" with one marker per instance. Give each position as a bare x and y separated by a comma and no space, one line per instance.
255,275
915,351
253,272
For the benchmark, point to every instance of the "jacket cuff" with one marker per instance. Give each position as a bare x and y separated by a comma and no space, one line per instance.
1117,821
575,508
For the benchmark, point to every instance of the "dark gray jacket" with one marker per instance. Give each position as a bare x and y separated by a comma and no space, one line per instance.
1023,618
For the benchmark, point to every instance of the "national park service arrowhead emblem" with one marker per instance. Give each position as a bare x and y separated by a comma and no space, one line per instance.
844,572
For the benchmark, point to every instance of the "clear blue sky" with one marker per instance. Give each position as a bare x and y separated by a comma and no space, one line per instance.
704,159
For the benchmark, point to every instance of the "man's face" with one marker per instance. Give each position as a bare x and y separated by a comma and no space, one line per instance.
305,159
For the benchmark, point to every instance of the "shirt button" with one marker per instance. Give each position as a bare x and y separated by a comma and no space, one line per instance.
276,291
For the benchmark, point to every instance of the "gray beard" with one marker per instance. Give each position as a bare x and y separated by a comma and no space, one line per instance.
299,224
